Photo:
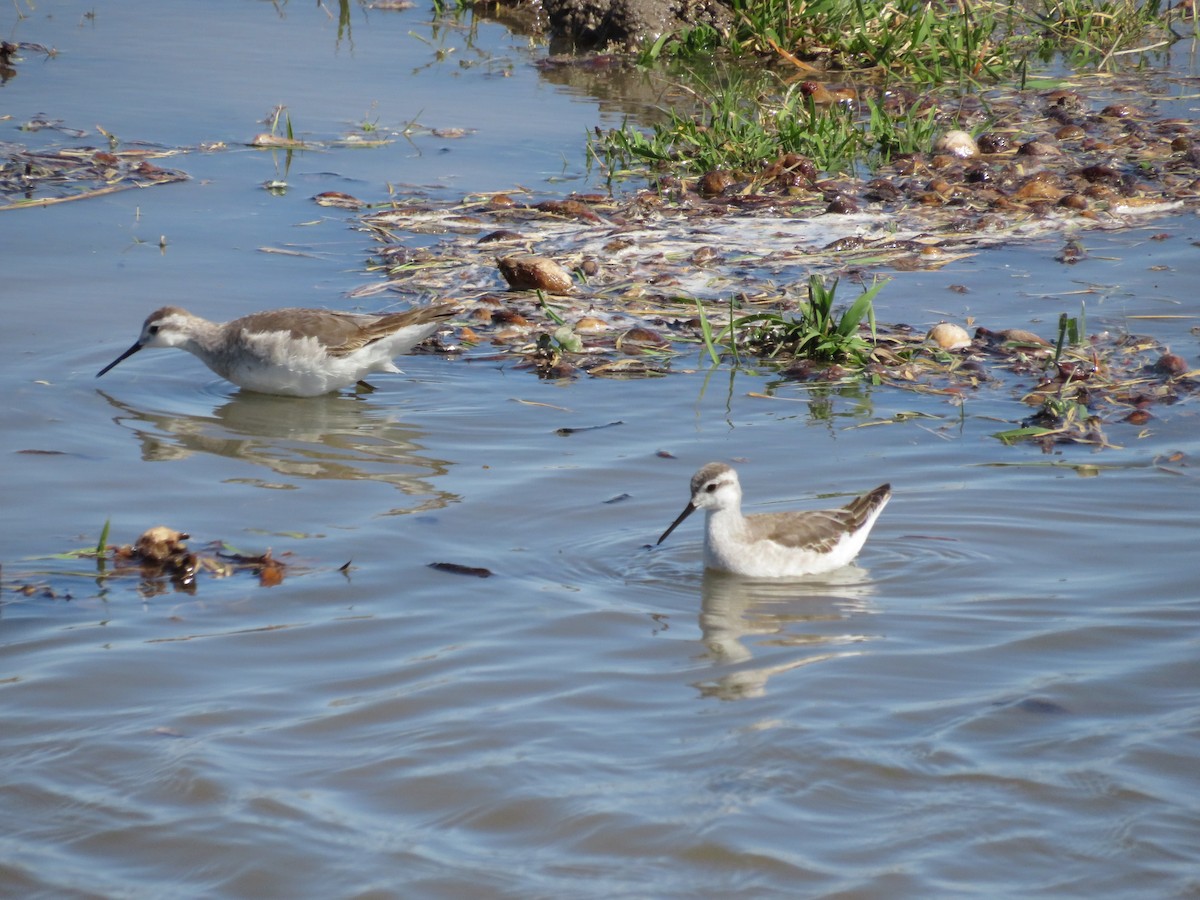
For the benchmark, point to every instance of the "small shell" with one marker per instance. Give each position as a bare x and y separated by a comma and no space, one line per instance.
1038,148
526,272
1038,188
957,143
715,182
639,338
1171,364
1119,111
842,205
1021,336
949,336
995,142
590,325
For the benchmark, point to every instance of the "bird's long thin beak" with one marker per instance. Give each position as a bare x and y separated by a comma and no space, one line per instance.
687,511
128,353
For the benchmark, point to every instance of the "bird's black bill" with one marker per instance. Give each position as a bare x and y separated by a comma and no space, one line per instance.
687,511
124,356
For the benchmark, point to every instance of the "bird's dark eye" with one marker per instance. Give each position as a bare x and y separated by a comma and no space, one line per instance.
153,329
710,488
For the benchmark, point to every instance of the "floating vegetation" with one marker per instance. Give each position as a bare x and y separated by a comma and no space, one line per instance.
815,333
30,178
657,279
12,53
159,560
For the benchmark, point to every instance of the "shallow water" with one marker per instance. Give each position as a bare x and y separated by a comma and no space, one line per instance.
1001,698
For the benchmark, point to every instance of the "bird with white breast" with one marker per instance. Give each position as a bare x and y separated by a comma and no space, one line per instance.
294,352
776,545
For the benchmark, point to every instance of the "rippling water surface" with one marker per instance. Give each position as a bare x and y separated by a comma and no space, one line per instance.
1002,698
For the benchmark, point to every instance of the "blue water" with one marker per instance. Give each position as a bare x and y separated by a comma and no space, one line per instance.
1001,699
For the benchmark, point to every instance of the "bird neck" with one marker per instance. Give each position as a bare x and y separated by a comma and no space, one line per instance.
727,520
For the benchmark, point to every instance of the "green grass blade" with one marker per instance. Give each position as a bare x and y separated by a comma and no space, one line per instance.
859,310
706,333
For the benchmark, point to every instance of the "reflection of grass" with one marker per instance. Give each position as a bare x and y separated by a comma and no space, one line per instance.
1095,32
744,119
745,124
918,41
452,7
910,39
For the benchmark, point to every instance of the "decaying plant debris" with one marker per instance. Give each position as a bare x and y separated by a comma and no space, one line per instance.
45,177
160,561
653,270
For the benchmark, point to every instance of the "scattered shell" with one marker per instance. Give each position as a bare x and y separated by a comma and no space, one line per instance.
1064,98
526,272
1100,192
715,182
1101,173
1138,417
957,143
979,174
1038,148
1039,188
569,208
1021,336
994,142
590,325
1171,364
637,339
841,204
502,234
949,336
508,317
880,190
792,170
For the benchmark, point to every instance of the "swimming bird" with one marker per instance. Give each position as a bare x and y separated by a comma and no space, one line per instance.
776,545
294,352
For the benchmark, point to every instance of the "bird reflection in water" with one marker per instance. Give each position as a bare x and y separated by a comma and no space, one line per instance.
329,437
759,628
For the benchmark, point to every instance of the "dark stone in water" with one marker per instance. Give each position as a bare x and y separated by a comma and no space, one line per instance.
1040,707
456,569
